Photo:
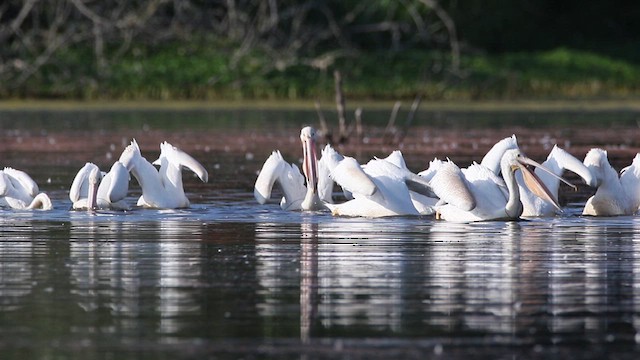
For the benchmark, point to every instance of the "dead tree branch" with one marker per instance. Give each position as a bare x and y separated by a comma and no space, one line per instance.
448,22
340,105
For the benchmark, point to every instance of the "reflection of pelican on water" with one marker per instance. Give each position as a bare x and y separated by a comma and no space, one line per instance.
16,269
594,271
132,274
97,260
339,284
472,279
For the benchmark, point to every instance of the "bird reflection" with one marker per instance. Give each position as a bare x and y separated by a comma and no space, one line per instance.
130,276
308,278
16,273
472,276
348,275
635,279
591,274
96,261
180,268
361,270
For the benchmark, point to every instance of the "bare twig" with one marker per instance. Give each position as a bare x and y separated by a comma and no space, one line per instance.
27,6
308,33
414,108
390,131
342,121
323,123
359,130
448,22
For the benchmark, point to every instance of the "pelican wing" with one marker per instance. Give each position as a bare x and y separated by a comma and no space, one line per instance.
292,183
5,183
329,160
22,180
325,183
287,175
270,172
352,178
535,184
450,186
419,185
181,158
79,187
397,159
565,161
115,184
434,165
630,178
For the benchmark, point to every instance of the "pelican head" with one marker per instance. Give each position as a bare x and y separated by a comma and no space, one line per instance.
94,180
309,160
514,159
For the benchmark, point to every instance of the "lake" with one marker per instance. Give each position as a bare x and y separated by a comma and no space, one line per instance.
228,278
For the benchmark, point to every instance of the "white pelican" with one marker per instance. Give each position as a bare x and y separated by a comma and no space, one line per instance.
309,192
161,189
94,189
614,195
379,188
493,157
423,203
558,161
494,198
19,191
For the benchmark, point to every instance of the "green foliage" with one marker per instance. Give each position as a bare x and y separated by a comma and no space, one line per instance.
207,70
557,73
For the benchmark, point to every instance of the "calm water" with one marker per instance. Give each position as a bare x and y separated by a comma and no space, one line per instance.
228,278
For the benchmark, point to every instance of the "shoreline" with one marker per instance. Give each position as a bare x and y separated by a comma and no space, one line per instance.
583,105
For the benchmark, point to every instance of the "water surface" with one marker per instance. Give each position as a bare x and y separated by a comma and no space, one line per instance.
228,278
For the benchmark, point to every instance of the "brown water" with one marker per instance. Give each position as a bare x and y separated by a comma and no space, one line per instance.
228,278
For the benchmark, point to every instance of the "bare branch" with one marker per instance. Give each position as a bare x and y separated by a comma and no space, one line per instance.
451,29
390,130
323,123
86,11
342,121
414,108
359,130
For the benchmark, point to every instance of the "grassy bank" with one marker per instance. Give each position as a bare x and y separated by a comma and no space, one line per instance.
199,72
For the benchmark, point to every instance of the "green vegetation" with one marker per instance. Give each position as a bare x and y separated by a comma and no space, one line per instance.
207,72
289,50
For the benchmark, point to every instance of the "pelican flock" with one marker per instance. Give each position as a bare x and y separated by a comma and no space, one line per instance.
504,185
93,189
